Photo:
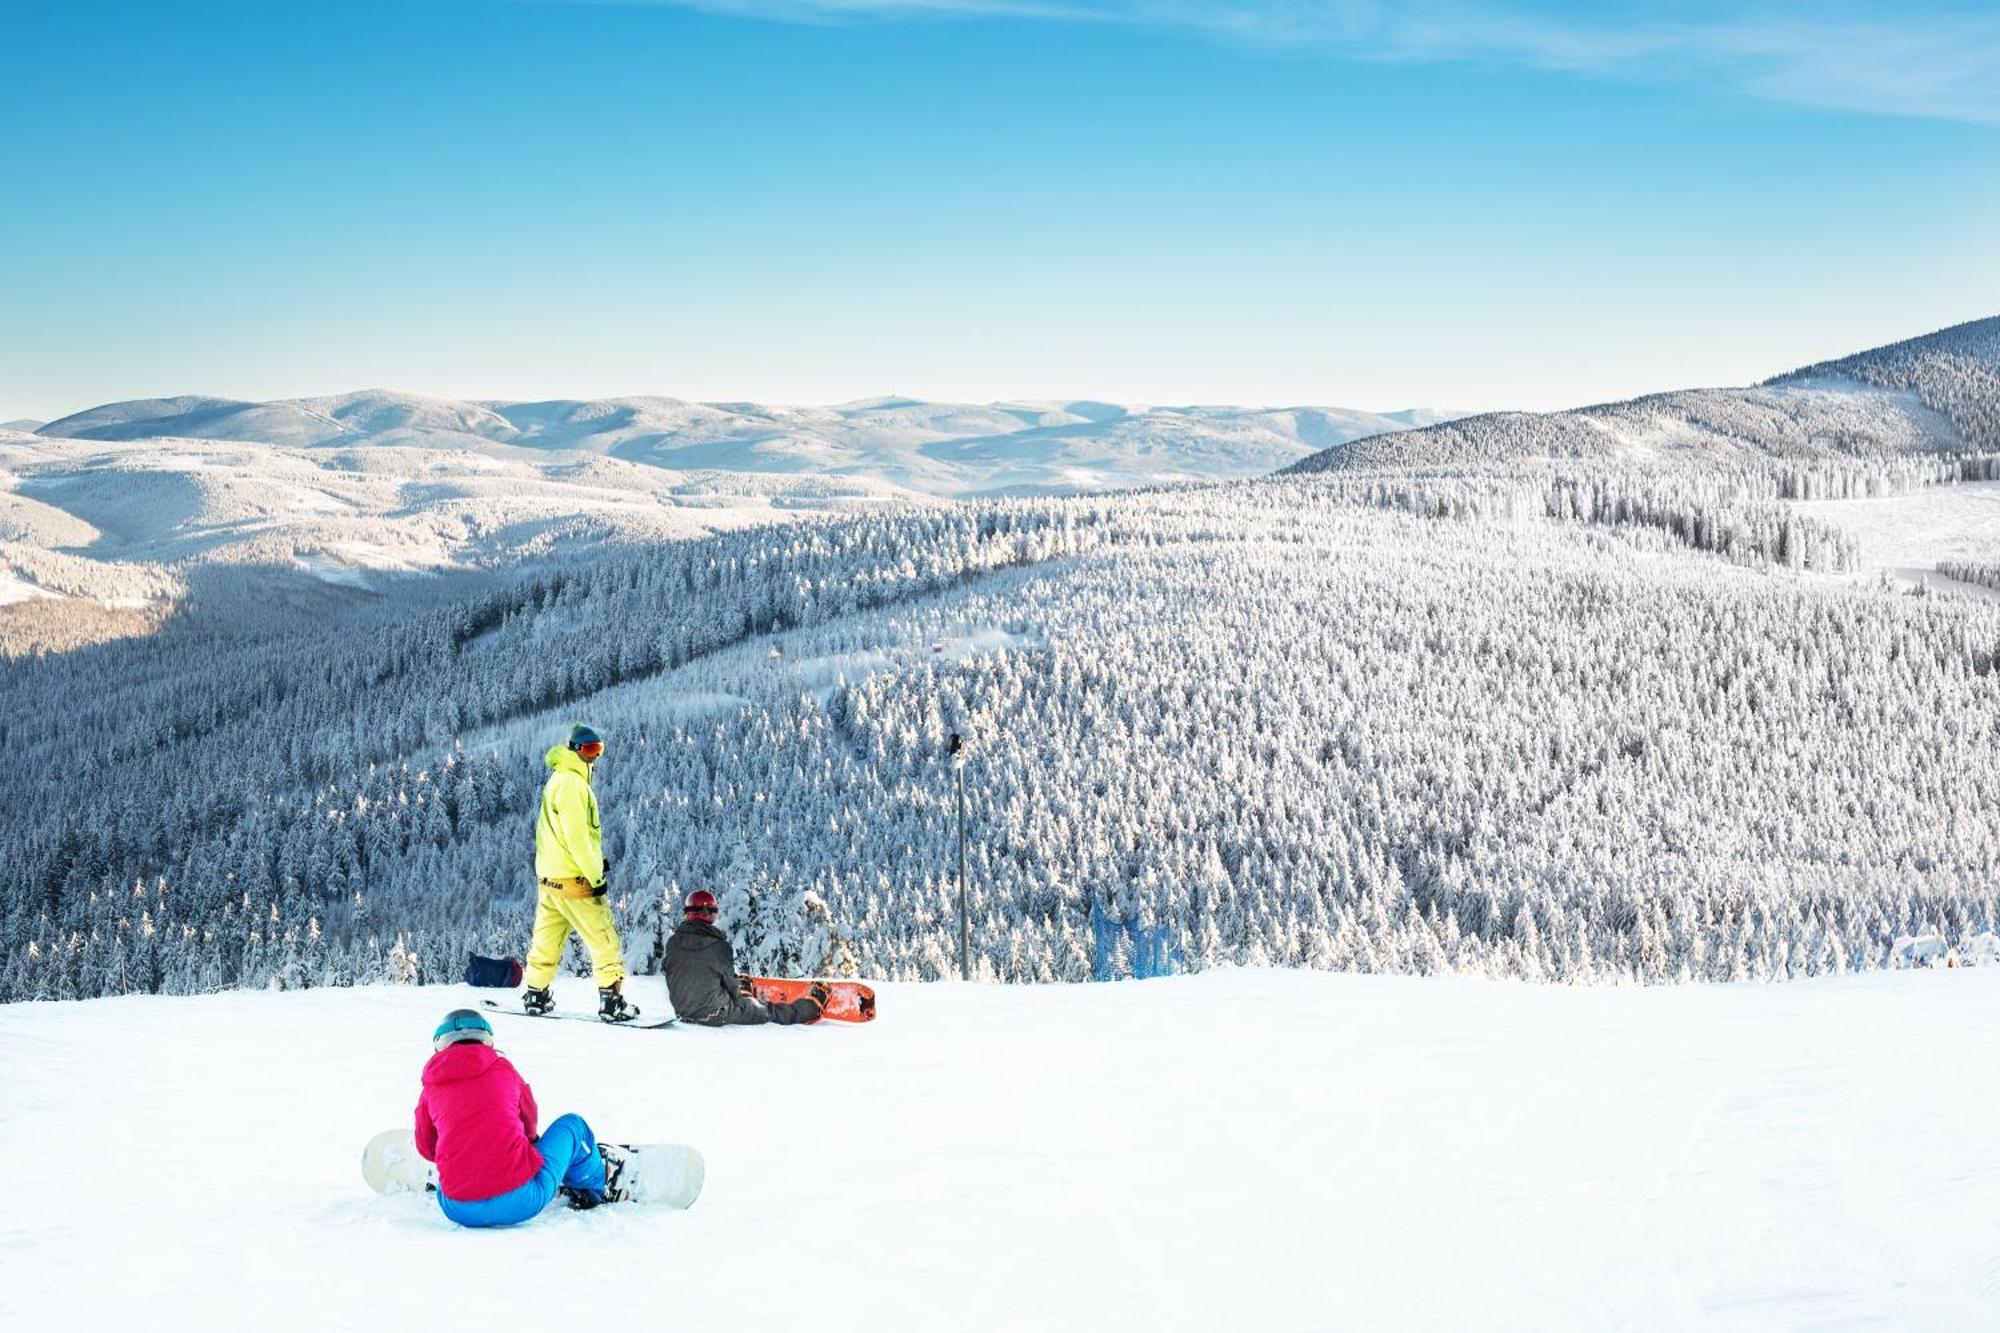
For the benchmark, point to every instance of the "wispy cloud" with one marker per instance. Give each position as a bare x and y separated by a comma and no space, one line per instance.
1935,60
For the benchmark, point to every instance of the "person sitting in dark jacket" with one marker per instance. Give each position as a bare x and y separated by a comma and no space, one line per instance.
704,985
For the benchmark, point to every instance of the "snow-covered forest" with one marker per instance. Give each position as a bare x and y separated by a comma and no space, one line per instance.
1985,576
1584,723
1955,371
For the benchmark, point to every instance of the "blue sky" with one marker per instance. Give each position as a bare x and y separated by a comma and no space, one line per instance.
1471,204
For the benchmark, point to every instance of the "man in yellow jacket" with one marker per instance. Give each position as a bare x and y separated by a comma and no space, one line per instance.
569,862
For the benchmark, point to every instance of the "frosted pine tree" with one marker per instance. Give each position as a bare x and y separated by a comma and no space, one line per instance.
741,910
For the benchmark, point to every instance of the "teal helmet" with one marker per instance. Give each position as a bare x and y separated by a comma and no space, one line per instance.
462,1025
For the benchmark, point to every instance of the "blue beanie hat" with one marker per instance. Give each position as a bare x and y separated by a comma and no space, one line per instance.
582,735
462,1025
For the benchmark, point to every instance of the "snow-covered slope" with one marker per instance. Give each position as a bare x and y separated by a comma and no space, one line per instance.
1261,1150
938,448
87,518
183,497
1935,394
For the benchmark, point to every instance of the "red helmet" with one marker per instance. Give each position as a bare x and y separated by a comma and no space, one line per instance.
700,905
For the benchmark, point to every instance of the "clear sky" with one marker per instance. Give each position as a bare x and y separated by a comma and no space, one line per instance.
1471,204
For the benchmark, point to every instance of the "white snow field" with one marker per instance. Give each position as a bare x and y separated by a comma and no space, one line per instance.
1258,1149
1905,536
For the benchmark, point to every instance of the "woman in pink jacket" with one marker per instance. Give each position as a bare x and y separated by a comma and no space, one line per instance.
476,1120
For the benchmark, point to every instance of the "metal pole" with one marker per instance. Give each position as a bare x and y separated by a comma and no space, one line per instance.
964,912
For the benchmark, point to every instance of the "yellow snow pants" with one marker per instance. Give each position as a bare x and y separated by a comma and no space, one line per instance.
558,912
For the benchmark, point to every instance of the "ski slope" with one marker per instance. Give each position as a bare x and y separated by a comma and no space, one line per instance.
1270,1150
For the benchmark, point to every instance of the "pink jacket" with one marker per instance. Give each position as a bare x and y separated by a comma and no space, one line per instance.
476,1120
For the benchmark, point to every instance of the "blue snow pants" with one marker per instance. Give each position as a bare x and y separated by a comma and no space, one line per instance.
569,1157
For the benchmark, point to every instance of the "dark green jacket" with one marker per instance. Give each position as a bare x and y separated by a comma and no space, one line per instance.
701,971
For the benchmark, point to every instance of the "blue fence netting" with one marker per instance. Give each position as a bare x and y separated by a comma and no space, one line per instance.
1126,949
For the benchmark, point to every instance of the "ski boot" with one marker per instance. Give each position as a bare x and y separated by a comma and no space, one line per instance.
538,1000
611,1006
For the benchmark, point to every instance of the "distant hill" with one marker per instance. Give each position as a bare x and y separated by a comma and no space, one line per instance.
944,449
1955,370
336,498
86,521
1935,394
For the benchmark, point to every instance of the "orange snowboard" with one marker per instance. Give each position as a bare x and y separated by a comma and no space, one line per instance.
846,1001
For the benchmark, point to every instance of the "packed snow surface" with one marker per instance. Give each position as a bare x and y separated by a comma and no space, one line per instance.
1268,1150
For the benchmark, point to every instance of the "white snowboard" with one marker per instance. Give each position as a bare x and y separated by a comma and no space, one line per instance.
391,1164
669,1175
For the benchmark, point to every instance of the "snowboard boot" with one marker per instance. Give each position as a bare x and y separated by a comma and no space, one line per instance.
538,1000
611,1006
818,996
580,1200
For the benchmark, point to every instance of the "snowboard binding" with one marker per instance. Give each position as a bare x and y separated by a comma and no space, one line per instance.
538,1000
612,1006
615,1190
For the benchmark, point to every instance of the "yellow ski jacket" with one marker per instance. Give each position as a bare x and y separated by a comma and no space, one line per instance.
569,842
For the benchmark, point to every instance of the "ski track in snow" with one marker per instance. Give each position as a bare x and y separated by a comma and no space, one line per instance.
1272,1150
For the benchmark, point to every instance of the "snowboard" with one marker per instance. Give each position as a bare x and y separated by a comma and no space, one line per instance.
391,1164
846,1001
644,1020
667,1174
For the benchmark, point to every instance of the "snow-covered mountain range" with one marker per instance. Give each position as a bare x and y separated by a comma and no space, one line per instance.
942,449
128,526
1931,395
116,505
